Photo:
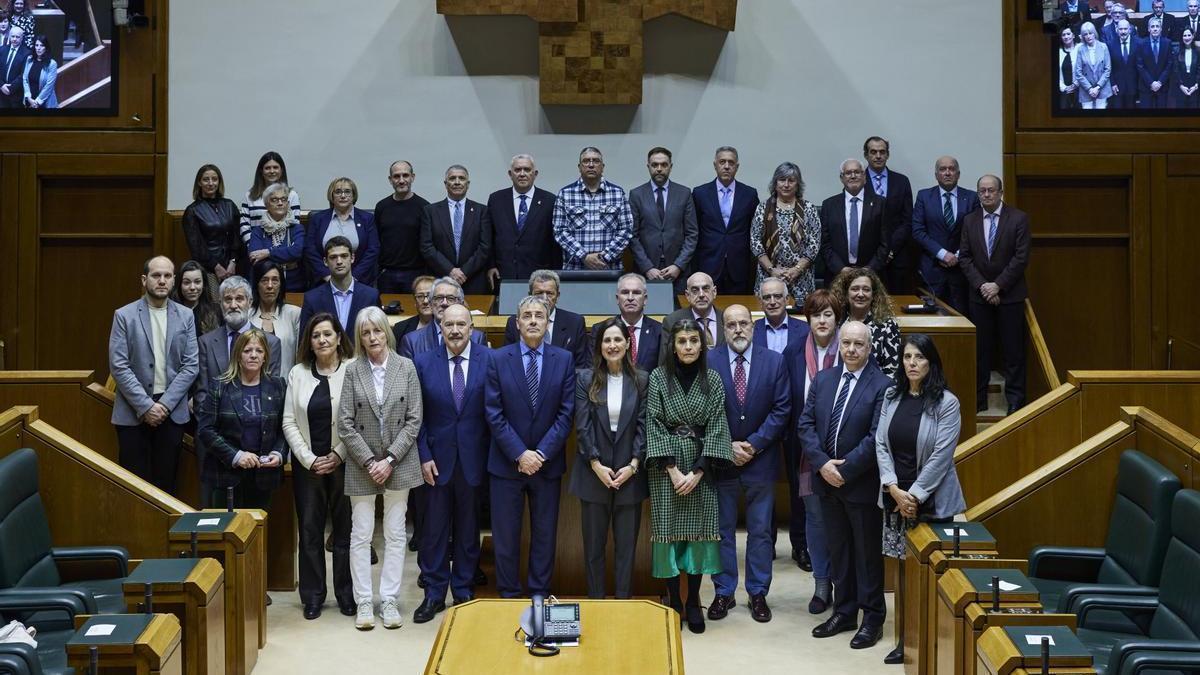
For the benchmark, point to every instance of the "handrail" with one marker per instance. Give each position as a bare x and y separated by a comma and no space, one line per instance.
50,376
1082,377
1040,348
1011,423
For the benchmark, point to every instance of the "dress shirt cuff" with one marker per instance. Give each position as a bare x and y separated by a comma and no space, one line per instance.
237,458
539,454
942,254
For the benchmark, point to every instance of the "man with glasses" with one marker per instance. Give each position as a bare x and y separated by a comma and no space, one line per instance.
701,294
564,329
442,294
852,225
420,292
592,220
643,333
456,235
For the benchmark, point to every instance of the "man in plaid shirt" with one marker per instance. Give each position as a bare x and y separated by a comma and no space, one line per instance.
592,220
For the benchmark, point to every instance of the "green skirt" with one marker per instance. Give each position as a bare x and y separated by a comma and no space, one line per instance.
687,557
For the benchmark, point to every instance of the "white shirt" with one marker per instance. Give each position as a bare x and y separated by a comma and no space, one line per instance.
953,207
987,226
550,328
852,256
821,352
516,199
616,385
1062,55
466,363
733,361
379,374
838,392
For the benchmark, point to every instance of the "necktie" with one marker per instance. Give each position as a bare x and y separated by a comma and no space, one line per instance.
1154,48
726,205
658,203
879,185
992,226
948,211
12,54
232,339
457,226
632,343
531,377
835,420
1125,50
522,213
739,379
458,384
708,336
852,238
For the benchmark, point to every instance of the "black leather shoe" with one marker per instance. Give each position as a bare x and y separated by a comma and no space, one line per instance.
695,618
838,623
867,636
347,608
896,656
329,543
414,544
268,600
759,611
374,556
1012,408
719,609
980,407
817,605
480,578
428,610
803,561
312,611
421,583
465,598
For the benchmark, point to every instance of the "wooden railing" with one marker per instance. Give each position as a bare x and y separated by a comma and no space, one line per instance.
1042,375
84,72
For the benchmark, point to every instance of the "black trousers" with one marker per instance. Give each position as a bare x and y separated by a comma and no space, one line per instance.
246,495
952,290
1003,323
396,281
321,499
736,286
151,453
797,534
626,520
855,536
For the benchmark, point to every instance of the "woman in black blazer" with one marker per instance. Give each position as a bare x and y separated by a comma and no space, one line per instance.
610,406
241,425
1186,73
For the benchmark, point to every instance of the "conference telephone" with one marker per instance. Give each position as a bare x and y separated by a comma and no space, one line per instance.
547,623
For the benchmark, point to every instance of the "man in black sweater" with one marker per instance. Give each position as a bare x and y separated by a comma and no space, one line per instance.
398,217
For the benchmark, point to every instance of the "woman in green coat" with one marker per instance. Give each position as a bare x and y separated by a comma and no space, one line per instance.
687,438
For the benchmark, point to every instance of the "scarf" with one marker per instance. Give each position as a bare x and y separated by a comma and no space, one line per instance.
810,355
277,230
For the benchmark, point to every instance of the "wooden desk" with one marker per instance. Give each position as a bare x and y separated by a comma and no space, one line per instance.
193,589
999,654
140,644
478,637
957,589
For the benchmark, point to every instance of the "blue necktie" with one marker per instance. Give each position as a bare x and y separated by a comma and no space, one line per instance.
991,240
852,238
726,205
458,384
1154,48
531,376
879,189
948,212
835,420
457,226
522,213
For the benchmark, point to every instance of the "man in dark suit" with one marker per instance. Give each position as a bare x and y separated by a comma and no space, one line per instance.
896,191
852,225
1114,13
1154,60
724,209
1171,26
701,294
456,235
453,445
644,333
522,230
937,229
444,293
837,432
1122,50
564,329
12,69
757,406
529,399
664,223
420,289
785,336
1192,20
342,297
995,251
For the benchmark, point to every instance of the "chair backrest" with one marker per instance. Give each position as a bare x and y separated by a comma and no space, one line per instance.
25,555
1178,613
1140,526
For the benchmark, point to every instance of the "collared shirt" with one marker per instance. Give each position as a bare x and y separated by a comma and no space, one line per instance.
637,327
842,383
987,225
953,207
883,176
733,360
708,324
592,222
777,336
665,190
821,352
379,376
721,188
853,255
342,227
516,199
462,203
466,362
550,327
341,302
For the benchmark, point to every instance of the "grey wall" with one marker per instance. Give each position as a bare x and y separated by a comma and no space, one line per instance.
344,88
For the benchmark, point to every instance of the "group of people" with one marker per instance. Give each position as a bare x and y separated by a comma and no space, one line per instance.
1107,61
28,73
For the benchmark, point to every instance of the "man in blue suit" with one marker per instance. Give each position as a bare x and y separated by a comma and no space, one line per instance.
453,445
643,332
1154,61
724,209
937,229
785,336
837,432
1122,49
444,293
530,402
342,297
757,405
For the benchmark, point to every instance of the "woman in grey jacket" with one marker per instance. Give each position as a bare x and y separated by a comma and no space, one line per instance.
914,445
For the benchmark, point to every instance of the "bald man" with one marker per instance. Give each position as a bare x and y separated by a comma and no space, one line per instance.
701,295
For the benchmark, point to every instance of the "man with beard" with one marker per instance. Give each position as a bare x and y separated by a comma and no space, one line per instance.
664,223
152,357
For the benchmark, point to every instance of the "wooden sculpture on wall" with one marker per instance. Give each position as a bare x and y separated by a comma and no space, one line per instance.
590,51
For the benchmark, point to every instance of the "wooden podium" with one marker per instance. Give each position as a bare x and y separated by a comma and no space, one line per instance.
479,636
139,644
193,589
1017,651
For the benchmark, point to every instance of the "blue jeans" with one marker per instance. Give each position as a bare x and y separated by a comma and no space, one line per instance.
760,504
818,549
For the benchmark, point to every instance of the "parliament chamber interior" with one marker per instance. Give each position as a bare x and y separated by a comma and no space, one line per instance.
893,303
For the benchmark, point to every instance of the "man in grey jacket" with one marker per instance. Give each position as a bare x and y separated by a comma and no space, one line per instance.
664,223
153,358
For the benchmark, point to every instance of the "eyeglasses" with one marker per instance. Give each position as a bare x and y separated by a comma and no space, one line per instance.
448,299
772,296
277,200
591,160
343,192
852,173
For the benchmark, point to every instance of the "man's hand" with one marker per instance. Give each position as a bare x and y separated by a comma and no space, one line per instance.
950,260
593,261
672,272
529,462
1115,90
1155,86
989,291
380,471
831,474
494,277
248,460
5,88
270,462
457,275
654,274
429,472
743,452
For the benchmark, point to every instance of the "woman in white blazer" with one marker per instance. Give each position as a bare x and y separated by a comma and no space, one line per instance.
314,389
273,315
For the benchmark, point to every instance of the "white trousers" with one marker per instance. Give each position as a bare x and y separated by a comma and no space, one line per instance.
362,530
1098,104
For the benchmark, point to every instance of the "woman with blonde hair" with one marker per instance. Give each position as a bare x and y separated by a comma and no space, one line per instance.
343,219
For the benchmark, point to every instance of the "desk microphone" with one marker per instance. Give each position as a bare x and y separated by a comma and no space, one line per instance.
957,541
148,599
1045,655
995,593
93,660
229,499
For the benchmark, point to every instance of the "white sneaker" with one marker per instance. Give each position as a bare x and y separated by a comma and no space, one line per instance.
390,613
365,619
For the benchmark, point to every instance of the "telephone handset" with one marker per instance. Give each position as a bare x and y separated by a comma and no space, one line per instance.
548,622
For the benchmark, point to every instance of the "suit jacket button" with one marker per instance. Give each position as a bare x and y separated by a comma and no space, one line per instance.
743,418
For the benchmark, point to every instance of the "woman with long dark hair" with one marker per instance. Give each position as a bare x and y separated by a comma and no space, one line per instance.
210,225
270,311
687,437
40,76
610,432
271,169
195,292
914,446
785,234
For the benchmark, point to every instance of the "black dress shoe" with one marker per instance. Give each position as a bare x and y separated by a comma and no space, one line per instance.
480,578
347,608
803,561
421,583
838,623
465,598
896,656
759,611
695,618
267,602
329,543
1012,408
867,636
428,610
312,611
719,609
413,544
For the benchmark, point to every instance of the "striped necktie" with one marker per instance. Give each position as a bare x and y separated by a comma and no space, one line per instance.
458,385
992,227
835,420
531,376
948,211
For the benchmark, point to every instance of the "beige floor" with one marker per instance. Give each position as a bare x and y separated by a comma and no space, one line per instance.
735,645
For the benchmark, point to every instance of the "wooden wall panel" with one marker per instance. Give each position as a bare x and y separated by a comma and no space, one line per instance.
101,206
1180,241
1178,402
